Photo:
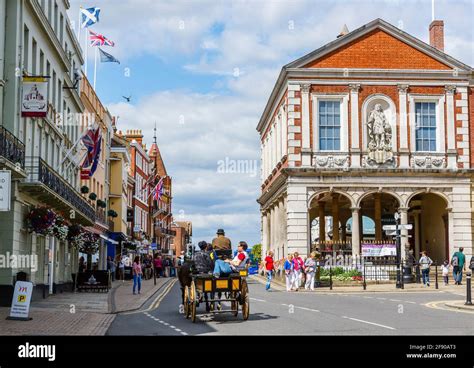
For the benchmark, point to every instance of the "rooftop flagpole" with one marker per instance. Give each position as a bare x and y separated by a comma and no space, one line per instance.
432,10
95,66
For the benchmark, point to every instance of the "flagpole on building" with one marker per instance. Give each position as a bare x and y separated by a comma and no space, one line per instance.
86,47
79,26
95,66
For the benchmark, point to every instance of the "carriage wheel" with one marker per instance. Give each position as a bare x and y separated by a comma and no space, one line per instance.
186,302
234,305
244,295
193,301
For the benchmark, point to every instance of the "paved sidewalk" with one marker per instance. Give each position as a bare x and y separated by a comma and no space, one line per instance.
382,288
459,304
123,299
80,313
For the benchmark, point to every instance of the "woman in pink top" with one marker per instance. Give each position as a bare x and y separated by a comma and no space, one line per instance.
137,274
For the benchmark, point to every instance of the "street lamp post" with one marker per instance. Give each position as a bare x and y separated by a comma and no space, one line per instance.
398,237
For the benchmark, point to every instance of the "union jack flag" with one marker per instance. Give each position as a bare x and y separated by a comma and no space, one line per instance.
158,190
97,39
91,141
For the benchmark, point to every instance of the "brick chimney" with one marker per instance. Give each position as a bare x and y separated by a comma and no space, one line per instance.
437,34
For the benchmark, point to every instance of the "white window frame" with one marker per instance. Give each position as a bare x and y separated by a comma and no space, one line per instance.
344,116
439,100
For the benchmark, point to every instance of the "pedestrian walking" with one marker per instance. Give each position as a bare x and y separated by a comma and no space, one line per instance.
289,273
458,261
121,268
471,264
137,274
425,263
298,266
445,272
310,271
269,268
82,265
111,267
158,265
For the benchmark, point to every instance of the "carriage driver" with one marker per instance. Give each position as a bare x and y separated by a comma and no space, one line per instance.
239,262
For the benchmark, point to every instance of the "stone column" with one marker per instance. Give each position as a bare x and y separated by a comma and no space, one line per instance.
305,125
265,235
378,216
451,129
404,150
335,217
417,250
355,231
404,233
322,222
355,125
297,229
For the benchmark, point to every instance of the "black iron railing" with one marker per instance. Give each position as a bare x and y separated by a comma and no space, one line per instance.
100,216
40,171
11,147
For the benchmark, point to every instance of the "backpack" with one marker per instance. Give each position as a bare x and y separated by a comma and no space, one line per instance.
455,261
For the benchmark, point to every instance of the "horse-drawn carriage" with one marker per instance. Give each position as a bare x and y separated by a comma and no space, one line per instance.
207,289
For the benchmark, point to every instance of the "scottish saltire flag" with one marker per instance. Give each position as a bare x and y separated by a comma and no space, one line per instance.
89,16
99,40
107,58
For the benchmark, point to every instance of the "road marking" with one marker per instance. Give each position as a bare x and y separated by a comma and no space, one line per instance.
368,297
382,298
395,300
258,300
435,305
157,300
166,324
370,323
308,309
410,302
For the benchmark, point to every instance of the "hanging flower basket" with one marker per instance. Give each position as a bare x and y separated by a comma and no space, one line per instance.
75,235
60,229
92,196
41,220
84,189
90,243
112,213
101,203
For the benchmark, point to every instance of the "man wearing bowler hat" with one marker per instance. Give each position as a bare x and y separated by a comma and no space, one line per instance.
221,242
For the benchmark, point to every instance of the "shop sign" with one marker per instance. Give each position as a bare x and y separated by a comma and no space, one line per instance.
34,97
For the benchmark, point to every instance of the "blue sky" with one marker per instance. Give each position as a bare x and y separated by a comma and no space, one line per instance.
203,72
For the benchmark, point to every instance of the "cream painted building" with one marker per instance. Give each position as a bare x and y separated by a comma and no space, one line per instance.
373,123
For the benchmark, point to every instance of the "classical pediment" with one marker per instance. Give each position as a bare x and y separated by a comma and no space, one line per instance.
378,45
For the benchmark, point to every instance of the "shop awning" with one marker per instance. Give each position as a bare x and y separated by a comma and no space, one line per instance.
108,239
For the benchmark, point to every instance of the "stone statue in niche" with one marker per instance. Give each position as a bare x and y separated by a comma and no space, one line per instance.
380,137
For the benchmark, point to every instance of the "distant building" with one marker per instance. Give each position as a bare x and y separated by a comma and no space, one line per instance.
183,237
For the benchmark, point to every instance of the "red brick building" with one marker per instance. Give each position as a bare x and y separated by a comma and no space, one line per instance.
140,168
373,123
161,210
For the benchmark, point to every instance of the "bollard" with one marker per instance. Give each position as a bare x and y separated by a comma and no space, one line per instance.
364,284
330,278
468,291
436,275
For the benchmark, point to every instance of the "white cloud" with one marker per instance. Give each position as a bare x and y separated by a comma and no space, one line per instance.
255,38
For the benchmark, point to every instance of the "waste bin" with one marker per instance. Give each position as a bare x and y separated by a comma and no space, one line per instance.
407,275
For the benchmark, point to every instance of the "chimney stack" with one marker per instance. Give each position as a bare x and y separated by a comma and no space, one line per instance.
437,34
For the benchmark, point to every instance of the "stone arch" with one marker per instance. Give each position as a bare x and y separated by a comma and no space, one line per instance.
319,192
370,192
390,110
424,191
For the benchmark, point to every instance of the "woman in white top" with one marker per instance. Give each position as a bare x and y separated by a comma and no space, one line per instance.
310,270
425,263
